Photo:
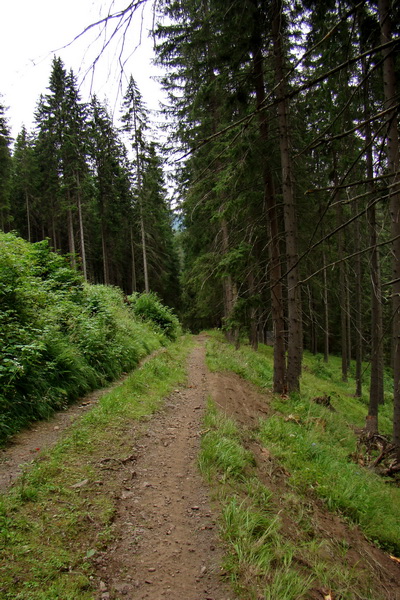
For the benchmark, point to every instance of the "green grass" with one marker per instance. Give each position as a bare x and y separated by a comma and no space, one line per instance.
273,548
320,466
222,451
250,365
316,445
49,529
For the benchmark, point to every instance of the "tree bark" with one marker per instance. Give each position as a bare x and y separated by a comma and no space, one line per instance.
253,313
106,270
229,287
275,271
144,252
342,292
81,229
389,87
295,333
376,389
326,311
133,262
28,216
358,307
71,237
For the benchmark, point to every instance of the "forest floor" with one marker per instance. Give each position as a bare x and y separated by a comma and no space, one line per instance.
165,543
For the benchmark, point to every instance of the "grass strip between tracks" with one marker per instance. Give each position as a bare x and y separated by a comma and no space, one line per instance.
318,446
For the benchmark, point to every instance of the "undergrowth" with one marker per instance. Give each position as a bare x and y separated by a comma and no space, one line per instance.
61,337
59,516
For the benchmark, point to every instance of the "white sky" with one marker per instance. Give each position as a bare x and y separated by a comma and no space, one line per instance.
33,31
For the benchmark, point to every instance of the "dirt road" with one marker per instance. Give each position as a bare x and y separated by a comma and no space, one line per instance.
165,541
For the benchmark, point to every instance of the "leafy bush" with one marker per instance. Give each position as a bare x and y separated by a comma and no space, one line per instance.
59,336
149,308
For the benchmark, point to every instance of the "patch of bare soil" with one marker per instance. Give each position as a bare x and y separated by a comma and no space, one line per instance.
24,446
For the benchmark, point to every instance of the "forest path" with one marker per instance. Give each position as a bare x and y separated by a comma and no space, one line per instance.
25,445
165,543
164,538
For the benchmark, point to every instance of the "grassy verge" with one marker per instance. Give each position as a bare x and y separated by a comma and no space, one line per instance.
59,516
317,445
274,550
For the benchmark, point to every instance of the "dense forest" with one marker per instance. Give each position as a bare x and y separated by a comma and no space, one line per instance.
97,198
285,119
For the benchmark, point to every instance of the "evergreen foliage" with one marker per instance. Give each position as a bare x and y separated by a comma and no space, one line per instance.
5,168
287,115
74,181
289,144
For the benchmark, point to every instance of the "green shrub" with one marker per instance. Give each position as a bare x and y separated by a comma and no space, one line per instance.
59,336
149,308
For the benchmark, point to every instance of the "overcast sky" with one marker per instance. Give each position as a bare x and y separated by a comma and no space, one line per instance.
34,31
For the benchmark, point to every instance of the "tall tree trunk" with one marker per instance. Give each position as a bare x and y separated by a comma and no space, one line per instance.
133,261
106,270
326,310
144,252
53,232
342,292
275,272
376,389
139,180
71,238
295,333
348,318
28,216
358,307
81,229
229,287
312,321
389,87
253,313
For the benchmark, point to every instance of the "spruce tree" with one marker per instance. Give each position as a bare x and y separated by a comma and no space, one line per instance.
135,124
24,206
5,170
113,197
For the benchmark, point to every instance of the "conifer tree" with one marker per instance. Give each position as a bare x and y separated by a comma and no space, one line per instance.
113,198
24,205
163,261
74,161
5,170
135,124
151,218
393,169
49,117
